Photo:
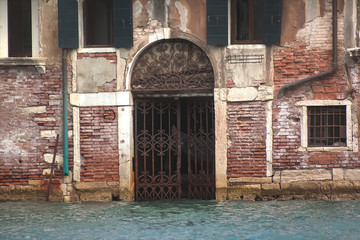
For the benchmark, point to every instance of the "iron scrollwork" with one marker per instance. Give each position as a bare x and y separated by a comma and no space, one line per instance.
173,65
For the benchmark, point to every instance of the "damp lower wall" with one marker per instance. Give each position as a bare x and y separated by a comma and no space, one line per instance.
259,147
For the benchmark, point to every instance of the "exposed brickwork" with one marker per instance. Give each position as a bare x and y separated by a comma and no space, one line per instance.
98,144
109,56
310,54
22,148
247,134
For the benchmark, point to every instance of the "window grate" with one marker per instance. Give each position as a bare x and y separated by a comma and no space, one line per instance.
327,126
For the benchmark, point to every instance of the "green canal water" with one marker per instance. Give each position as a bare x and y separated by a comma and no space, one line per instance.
183,219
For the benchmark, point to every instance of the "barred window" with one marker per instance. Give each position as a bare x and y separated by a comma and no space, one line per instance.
327,126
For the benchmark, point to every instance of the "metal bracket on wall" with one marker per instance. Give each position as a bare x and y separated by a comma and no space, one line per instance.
245,58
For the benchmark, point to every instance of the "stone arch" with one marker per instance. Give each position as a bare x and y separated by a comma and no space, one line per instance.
172,65
164,35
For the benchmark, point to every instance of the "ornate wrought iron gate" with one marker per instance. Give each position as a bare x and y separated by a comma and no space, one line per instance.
157,155
170,136
201,149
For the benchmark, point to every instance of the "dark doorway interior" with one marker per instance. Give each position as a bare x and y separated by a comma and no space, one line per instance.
174,148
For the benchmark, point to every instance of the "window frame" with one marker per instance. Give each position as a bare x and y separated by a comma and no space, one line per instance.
233,25
351,140
85,28
4,29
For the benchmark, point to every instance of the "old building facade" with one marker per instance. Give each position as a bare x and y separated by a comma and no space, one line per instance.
204,99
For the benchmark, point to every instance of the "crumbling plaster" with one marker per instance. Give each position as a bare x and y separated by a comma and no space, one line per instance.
48,25
89,77
188,16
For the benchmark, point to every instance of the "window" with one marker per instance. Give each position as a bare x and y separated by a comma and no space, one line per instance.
18,28
95,23
19,20
247,18
251,21
327,126
98,19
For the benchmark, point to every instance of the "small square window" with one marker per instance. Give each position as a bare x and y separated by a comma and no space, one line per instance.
247,21
98,23
327,126
20,36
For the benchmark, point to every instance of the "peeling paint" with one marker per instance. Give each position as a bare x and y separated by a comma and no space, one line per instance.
183,12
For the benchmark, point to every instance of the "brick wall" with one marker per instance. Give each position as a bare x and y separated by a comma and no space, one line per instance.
310,54
30,116
247,134
98,144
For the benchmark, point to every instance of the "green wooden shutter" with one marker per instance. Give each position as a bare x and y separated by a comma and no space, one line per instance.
272,22
217,22
68,23
123,30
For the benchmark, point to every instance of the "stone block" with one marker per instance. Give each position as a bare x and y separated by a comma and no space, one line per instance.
301,187
251,180
242,94
97,196
244,192
35,182
305,175
48,133
352,174
113,184
338,174
221,194
271,186
46,171
55,97
48,157
277,177
342,187
90,185
37,109
67,179
45,119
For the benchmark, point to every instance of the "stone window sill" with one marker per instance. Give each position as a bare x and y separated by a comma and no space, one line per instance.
97,50
38,63
324,149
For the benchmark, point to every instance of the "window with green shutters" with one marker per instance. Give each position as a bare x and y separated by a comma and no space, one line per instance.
217,22
252,21
115,17
255,21
68,24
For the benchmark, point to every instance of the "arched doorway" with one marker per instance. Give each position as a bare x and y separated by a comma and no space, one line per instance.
173,83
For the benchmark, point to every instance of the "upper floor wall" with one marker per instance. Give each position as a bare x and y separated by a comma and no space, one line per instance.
245,28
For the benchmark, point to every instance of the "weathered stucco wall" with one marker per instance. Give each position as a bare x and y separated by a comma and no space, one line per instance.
48,33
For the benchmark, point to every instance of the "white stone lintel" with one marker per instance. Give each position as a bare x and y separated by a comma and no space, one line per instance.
242,94
101,99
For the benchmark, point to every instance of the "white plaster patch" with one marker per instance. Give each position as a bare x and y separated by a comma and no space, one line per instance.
89,78
137,9
183,15
9,146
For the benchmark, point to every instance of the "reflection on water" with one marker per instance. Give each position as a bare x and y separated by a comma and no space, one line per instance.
184,219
